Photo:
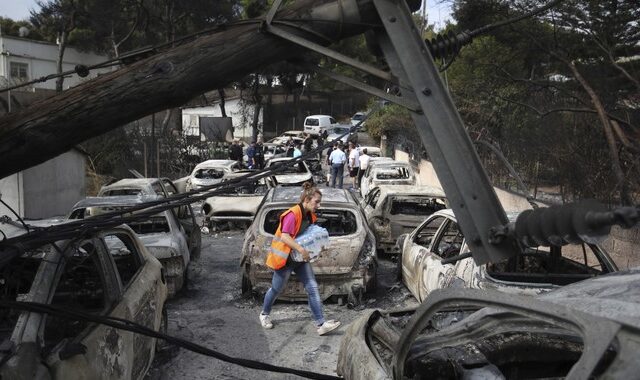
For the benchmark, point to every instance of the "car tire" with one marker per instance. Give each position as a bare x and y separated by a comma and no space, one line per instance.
246,285
162,344
399,267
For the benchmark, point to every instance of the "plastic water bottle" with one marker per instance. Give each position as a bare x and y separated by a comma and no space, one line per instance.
313,239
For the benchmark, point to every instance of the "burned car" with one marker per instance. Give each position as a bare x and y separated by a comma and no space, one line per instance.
315,166
586,330
345,269
108,274
161,234
293,175
395,210
162,187
210,172
537,271
237,203
386,172
139,186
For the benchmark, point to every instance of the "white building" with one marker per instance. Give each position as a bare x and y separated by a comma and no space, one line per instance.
23,60
233,107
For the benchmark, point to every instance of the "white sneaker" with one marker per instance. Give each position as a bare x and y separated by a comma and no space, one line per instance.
328,326
265,321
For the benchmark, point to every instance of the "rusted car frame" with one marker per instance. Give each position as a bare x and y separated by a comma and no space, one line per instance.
345,269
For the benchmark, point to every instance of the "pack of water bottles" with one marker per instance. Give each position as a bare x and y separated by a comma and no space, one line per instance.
313,239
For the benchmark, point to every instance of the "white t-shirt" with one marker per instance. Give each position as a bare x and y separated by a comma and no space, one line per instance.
354,158
364,161
337,157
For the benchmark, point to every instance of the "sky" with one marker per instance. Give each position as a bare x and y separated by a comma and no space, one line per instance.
438,13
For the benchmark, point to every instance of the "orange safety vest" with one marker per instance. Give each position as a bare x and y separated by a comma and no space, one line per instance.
279,252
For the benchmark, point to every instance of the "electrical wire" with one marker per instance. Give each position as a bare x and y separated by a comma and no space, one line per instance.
134,327
15,213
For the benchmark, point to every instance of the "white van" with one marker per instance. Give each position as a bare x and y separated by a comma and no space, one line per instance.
315,124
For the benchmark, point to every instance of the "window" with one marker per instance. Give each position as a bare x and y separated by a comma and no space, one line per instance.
80,288
312,122
157,188
337,222
450,241
426,234
156,224
374,198
415,206
19,71
332,120
125,255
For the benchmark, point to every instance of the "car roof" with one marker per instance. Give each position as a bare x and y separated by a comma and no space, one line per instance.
125,182
411,190
319,116
291,195
120,200
214,164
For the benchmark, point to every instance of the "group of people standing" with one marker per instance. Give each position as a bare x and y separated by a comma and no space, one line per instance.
255,154
357,162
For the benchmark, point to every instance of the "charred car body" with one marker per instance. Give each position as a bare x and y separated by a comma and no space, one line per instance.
346,268
535,271
293,175
395,210
237,203
586,330
163,187
161,234
386,172
109,274
210,172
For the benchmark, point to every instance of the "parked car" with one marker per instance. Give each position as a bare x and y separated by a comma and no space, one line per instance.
336,133
357,117
161,234
163,187
345,269
139,186
210,172
273,150
395,210
587,330
238,203
315,124
294,175
386,172
109,274
536,271
373,151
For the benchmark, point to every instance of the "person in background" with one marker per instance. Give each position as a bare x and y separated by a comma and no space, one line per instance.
364,164
259,155
354,165
294,222
235,151
337,160
251,152
290,146
296,151
307,142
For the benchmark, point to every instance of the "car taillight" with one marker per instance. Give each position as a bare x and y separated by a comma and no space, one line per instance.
367,252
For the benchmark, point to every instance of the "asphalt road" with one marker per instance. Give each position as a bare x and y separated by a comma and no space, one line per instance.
212,312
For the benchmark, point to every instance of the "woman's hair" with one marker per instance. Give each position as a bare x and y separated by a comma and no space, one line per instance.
308,191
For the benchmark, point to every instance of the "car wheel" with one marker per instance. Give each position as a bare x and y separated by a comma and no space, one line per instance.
246,284
162,344
399,267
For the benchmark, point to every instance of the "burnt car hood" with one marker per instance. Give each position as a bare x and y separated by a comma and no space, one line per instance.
287,179
604,310
241,203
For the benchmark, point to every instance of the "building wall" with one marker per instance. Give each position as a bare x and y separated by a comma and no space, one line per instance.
53,187
41,58
233,107
10,187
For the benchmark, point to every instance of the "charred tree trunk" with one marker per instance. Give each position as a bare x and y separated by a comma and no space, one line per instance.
53,126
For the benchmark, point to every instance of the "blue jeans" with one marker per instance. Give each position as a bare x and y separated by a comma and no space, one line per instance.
305,274
337,171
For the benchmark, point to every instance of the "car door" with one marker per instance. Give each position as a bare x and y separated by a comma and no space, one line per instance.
370,202
187,220
416,249
141,292
89,283
434,274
